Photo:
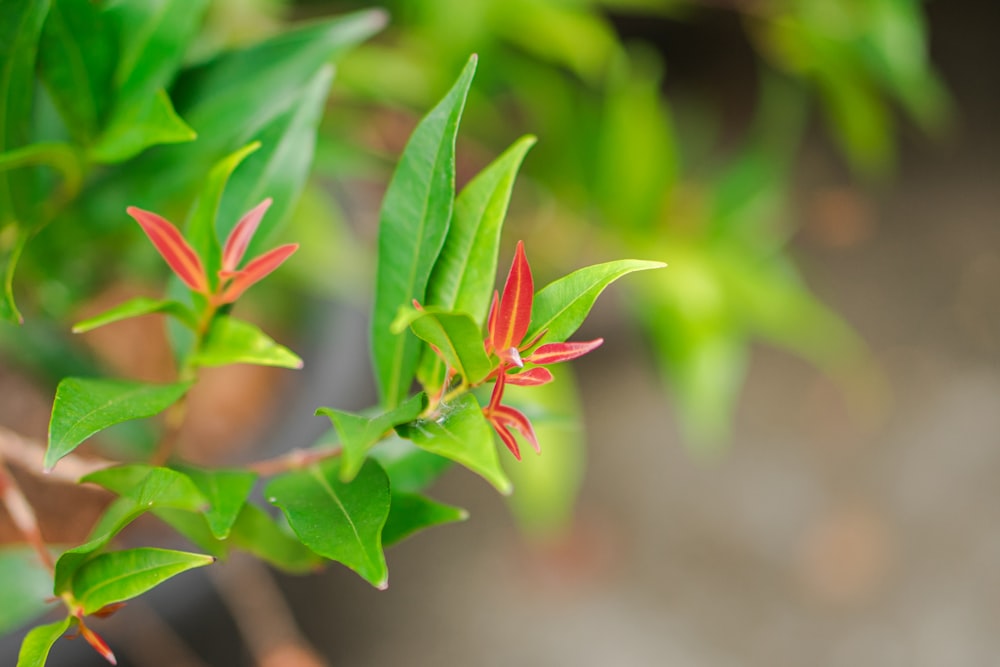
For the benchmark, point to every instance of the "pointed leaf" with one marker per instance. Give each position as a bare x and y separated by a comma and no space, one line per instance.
136,126
554,353
358,433
233,341
25,585
37,644
342,522
412,227
465,273
455,335
194,527
182,259
241,235
258,534
83,407
122,575
561,306
226,492
136,308
514,312
256,270
77,56
533,377
411,513
463,435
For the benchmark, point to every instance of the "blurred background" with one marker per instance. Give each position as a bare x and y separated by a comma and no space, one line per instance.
790,434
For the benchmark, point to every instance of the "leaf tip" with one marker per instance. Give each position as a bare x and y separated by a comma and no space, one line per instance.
383,584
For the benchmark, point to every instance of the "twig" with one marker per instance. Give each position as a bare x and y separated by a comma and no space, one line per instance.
262,614
30,455
23,515
293,460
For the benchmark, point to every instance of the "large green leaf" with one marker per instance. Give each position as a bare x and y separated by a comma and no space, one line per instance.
412,228
257,533
79,49
135,308
137,125
84,406
37,644
465,273
411,513
25,586
122,575
226,492
462,434
562,306
342,522
233,341
358,433
458,339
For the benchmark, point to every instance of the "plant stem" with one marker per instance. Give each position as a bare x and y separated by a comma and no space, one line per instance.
293,460
22,514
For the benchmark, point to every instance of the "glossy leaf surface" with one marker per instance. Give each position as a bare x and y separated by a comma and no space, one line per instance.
226,492
411,513
463,435
342,522
257,533
83,407
456,336
37,644
358,433
412,227
233,341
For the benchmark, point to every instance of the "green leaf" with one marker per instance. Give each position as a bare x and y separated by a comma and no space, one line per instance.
136,126
456,336
25,585
410,469
465,273
258,534
135,308
412,228
233,341
37,644
358,433
8,260
195,528
411,513
77,56
562,306
143,488
19,33
122,575
226,492
342,522
83,407
462,434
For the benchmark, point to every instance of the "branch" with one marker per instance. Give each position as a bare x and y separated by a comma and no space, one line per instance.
30,455
293,460
23,515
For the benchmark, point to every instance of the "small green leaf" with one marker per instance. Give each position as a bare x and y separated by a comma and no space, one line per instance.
462,434
77,56
412,227
122,575
135,308
455,335
37,644
83,407
136,126
358,433
411,513
342,522
410,469
233,341
25,585
226,492
562,306
258,534
194,527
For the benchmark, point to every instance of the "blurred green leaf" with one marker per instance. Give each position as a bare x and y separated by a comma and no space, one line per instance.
410,469
37,644
358,433
83,407
135,308
25,587
342,522
77,57
258,534
226,492
413,223
136,126
411,513
194,527
122,575
461,434
233,341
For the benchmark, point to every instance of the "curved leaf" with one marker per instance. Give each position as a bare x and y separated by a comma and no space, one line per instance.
122,575
412,227
258,534
135,308
342,522
37,644
411,513
136,126
233,341
226,492
455,335
83,407
562,306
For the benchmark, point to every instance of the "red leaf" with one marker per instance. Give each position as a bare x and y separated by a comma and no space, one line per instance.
99,644
514,313
167,240
530,378
552,353
255,270
239,239
508,439
509,417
